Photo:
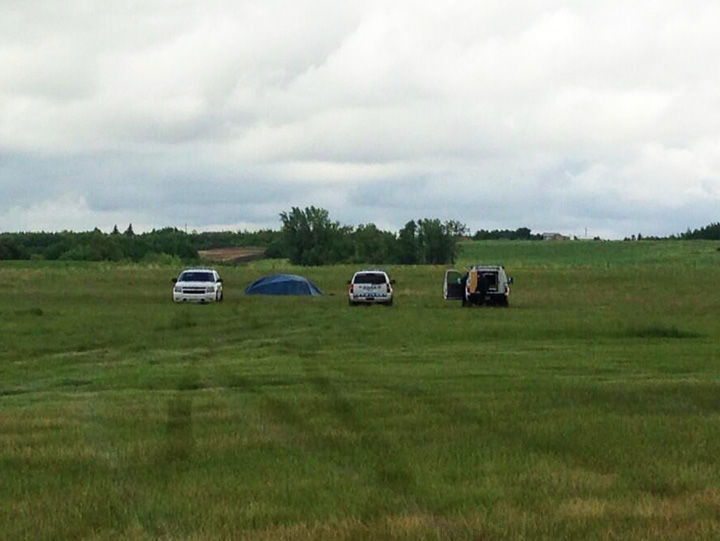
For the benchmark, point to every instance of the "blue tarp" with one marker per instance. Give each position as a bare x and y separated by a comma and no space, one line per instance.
283,284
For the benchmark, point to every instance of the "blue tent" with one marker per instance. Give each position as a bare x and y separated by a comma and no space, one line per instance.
283,284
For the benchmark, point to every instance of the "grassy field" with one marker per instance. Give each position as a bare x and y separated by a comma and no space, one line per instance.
590,409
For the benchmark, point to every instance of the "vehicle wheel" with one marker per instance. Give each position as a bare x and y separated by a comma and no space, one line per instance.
389,303
351,303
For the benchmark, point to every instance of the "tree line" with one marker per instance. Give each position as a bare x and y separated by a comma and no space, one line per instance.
521,233
310,237
307,237
708,232
96,245
126,246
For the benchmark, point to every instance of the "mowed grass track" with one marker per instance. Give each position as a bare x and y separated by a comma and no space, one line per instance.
590,409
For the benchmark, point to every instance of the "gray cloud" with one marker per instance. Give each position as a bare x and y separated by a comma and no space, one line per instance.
223,113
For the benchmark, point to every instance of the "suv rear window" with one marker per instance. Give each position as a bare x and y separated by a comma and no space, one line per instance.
370,278
196,277
491,278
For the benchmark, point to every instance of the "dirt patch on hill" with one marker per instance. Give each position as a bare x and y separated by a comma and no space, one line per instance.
233,254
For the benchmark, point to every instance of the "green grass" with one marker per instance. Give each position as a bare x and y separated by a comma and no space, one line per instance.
594,253
590,409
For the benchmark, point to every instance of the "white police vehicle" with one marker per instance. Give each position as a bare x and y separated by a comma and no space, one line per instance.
198,285
370,287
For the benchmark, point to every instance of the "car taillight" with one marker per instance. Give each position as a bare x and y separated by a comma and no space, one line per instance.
388,287
350,289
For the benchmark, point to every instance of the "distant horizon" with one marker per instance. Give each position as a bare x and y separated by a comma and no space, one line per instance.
190,231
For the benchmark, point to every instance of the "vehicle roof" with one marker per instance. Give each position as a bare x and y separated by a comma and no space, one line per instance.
487,267
371,271
199,269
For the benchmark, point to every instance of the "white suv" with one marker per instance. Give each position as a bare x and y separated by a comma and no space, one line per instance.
369,287
198,285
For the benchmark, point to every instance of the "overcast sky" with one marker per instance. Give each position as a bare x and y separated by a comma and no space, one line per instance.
554,115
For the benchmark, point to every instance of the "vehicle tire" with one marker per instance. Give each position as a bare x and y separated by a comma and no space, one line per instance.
389,303
351,303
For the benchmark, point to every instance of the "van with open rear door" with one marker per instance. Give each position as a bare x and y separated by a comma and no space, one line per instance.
481,284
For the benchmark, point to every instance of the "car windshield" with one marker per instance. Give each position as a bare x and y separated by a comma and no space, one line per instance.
369,278
193,276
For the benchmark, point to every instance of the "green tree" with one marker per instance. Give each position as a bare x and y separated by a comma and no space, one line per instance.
311,238
408,245
11,248
457,229
437,243
709,232
372,245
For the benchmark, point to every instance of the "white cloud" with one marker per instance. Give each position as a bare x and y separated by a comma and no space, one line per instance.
539,113
68,212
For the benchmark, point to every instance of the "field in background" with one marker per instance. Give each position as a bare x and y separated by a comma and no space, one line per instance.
593,253
590,409
234,254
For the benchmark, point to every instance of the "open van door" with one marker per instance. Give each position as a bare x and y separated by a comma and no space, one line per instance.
453,286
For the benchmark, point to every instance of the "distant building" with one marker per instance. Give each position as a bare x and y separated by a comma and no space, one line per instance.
554,236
